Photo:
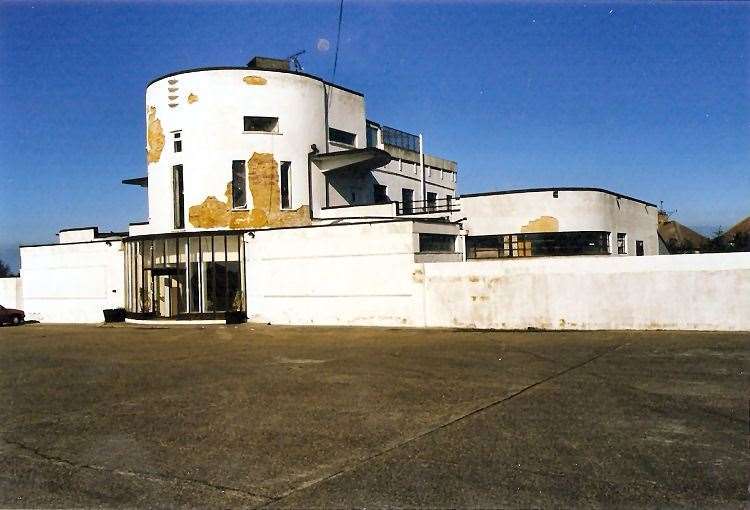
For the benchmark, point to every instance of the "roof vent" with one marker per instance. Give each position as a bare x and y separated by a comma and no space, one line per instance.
269,64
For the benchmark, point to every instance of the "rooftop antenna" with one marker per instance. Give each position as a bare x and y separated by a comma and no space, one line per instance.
294,61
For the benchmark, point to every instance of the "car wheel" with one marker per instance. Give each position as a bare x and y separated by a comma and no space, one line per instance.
16,320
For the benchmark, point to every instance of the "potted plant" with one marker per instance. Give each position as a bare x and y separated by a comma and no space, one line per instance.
236,314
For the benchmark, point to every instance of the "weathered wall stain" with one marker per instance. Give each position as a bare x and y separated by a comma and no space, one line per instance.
192,98
154,136
254,80
263,179
542,224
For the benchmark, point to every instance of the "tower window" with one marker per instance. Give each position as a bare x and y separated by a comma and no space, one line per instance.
286,202
262,124
177,141
239,191
339,136
178,195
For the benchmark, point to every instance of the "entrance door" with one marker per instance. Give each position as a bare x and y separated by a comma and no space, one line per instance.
169,289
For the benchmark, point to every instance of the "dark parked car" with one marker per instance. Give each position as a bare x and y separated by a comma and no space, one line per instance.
11,316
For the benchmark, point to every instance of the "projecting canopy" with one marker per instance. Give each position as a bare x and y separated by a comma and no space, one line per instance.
137,181
354,159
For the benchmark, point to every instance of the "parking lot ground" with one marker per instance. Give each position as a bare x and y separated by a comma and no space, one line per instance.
269,416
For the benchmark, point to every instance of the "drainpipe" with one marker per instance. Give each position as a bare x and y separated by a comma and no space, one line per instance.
421,164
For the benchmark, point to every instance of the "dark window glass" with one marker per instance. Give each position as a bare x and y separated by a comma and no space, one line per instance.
537,244
622,248
431,201
639,248
339,136
178,145
178,196
437,243
448,201
380,194
407,200
266,124
372,136
284,185
239,190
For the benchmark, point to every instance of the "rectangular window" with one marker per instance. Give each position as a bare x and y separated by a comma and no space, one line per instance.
262,124
639,248
286,200
177,142
622,243
437,243
239,188
372,136
407,200
380,194
178,197
343,137
537,244
448,201
431,201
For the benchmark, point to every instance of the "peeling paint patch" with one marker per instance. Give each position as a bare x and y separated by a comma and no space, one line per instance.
263,179
192,98
254,80
154,136
542,224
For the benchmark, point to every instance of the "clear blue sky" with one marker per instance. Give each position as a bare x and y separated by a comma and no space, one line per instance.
649,100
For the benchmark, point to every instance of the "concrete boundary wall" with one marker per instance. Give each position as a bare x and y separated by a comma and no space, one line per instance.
72,283
678,292
11,295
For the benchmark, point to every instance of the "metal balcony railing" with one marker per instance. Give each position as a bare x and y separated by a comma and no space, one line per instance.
427,206
398,138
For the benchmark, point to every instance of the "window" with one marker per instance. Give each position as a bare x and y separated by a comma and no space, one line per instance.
380,194
262,124
407,200
339,136
286,202
622,243
437,243
239,190
177,141
537,244
431,201
639,248
448,201
372,136
178,197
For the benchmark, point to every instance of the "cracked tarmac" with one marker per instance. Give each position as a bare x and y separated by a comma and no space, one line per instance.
266,416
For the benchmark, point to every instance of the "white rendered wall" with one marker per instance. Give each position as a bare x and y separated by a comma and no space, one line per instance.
679,292
574,210
344,275
212,132
72,283
11,293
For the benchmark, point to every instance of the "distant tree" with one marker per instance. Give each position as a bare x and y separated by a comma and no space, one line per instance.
5,270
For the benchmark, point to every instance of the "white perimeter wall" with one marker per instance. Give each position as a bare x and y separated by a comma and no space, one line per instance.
366,275
686,292
343,275
11,293
72,282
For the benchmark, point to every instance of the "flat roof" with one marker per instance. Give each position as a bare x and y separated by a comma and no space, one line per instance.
564,188
251,69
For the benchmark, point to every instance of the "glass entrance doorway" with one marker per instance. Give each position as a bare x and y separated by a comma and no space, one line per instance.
185,276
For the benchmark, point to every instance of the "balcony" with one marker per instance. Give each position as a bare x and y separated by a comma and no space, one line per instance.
438,205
